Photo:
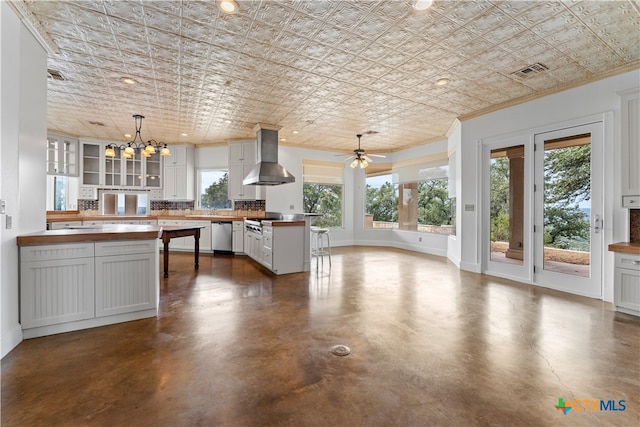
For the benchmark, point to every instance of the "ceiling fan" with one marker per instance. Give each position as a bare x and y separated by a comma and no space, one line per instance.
360,158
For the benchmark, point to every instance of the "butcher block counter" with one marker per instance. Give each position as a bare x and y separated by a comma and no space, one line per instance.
87,277
78,217
90,234
625,247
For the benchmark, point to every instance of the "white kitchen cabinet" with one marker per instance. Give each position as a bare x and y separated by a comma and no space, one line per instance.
237,239
630,144
242,158
71,286
125,277
205,235
63,225
92,223
278,248
91,164
242,151
62,155
179,174
56,284
627,283
236,190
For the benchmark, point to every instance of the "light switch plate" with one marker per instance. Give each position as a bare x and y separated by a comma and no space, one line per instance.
469,208
9,222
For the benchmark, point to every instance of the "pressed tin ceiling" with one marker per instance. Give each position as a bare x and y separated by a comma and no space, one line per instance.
327,69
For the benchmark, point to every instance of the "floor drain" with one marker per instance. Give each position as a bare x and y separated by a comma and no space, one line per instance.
340,350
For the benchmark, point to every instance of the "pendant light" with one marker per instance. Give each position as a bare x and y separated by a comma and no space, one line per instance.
128,150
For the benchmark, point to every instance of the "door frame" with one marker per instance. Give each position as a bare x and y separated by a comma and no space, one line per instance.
609,185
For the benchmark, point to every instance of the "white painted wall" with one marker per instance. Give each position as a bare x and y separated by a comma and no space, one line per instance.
595,98
23,132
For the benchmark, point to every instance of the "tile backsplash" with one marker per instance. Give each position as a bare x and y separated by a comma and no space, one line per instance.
634,225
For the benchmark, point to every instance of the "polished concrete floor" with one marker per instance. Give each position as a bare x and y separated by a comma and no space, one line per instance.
431,345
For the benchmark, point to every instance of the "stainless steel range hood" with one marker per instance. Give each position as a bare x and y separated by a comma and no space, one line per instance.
268,171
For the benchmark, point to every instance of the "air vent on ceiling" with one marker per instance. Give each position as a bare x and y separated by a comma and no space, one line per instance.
96,123
530,70
55,75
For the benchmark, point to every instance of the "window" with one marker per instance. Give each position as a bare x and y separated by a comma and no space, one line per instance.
60,193
213,189
381,202
411,197
322,192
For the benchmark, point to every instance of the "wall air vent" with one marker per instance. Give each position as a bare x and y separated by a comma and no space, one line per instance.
530,70
55,75
96,123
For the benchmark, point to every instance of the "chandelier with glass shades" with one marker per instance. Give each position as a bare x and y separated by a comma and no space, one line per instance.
128,150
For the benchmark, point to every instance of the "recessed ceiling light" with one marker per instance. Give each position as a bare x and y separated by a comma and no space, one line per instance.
295,132
227,121
183,134
129,80
127,135
283,139
228,6
442,82
422,4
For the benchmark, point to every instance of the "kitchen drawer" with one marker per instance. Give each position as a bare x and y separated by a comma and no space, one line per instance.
628,261
267,258
267,241
631,202
148,222
96,223
63,225
125,247
56,251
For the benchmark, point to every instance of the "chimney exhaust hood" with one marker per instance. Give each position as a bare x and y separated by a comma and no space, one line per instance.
267,171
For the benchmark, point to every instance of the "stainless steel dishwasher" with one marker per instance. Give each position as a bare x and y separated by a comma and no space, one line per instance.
221,236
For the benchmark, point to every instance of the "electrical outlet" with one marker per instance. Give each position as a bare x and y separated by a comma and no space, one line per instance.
9,222
419,239
291,207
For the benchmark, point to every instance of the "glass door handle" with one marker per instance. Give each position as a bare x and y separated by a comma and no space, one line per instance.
597,224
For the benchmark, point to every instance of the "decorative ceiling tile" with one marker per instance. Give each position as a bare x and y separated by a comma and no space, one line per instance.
330,68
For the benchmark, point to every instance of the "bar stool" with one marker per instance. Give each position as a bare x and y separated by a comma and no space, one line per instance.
321,245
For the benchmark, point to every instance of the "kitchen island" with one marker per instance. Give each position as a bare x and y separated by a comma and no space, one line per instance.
86,277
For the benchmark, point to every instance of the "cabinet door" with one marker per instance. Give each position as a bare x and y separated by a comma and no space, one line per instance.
169,179
627,290
56,291
91,160
113,171
125,283
181,182
178,155
152,168
62,155
630,144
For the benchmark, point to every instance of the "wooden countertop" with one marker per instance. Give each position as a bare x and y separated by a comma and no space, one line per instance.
91,234
69,218
625,247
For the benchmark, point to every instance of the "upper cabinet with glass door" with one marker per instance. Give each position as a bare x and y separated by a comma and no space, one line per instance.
133,170
62,155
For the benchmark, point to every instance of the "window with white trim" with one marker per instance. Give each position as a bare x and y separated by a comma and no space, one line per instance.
323,192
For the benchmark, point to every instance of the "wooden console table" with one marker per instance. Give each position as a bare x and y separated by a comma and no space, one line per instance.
171,231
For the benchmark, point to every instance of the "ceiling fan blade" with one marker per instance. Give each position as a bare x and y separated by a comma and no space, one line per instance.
346,159
377,155
367,158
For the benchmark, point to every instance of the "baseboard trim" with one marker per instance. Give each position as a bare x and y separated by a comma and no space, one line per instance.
10,340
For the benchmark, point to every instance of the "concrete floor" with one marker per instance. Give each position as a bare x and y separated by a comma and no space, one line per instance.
431,345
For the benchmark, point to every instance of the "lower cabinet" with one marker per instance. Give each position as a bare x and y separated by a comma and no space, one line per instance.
280,248
237,239
65,287
627,283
